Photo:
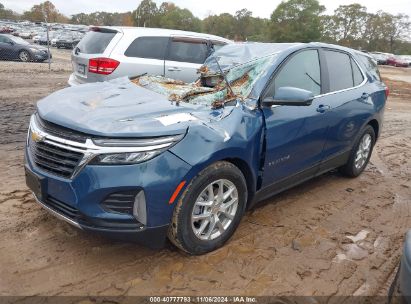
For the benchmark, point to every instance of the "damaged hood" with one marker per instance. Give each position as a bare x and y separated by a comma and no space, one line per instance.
119,108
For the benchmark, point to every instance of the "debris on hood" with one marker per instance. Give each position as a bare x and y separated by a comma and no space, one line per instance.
211,88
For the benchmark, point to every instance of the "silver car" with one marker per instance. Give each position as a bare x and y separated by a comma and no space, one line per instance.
111,52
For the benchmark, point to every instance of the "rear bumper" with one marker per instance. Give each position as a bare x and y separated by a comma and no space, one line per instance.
73,80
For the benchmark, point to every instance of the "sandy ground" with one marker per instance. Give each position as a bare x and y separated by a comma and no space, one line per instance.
329,236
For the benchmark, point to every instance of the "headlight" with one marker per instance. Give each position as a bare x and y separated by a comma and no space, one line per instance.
124,158
131,151
34,50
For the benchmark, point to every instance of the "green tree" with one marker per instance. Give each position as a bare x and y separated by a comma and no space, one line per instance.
172,17
349,23
146,14
7,13
296,20
223,25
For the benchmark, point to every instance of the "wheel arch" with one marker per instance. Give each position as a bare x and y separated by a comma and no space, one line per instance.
376,126
247,173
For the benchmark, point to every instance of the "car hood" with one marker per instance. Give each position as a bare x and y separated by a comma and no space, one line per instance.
119,108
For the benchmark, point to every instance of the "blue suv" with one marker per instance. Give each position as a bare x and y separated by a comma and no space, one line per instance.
148,157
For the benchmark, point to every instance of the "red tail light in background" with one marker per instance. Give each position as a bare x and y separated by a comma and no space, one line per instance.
104,66
387,91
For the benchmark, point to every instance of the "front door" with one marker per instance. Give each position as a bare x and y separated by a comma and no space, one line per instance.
295,135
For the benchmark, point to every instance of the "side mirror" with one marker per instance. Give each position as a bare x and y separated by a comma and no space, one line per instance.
290,96
10,42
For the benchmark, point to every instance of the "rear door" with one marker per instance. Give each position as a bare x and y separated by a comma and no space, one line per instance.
349,100
184,57
95,44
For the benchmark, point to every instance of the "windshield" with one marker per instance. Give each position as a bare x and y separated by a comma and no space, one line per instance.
19,40
211,89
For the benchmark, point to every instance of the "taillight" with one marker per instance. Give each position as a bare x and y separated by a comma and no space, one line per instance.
387,91
104,66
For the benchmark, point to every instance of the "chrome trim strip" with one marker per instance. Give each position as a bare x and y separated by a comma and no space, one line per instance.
56,214
89,146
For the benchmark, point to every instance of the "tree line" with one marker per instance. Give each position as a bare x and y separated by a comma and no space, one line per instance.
292,21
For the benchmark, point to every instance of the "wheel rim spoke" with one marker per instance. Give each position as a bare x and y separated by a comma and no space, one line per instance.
214,210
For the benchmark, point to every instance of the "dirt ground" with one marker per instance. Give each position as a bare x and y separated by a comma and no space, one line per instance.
329,236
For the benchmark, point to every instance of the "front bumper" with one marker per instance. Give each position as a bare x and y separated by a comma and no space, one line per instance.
41,56
150,237
81,200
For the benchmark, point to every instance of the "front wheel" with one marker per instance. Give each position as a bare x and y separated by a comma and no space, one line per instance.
24,56
210,209
360,154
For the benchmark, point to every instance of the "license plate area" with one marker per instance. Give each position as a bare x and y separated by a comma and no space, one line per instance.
35,183
81,69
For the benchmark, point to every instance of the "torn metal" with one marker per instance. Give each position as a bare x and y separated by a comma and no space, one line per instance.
211,89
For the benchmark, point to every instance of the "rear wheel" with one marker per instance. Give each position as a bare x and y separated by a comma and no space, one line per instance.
360,154
24,56
210,209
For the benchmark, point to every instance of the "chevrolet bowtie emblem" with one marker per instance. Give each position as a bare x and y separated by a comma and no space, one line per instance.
36,137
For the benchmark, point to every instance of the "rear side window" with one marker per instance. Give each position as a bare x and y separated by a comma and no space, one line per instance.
356,72
148,47
339,70
371,67
301,71
188,51
95,42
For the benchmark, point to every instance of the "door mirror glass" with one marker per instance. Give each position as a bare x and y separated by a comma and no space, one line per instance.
290,96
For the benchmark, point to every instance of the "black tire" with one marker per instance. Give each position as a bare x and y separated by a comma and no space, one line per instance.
350,169
181,231
24,56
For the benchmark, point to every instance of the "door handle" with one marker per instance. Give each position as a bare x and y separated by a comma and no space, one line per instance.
365,96
323,108
174,69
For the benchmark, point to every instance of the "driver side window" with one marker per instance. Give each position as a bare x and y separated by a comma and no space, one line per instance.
301,71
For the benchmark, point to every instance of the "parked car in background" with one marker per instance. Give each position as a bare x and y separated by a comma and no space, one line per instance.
25,35
381,58
110,52
397,61
16,48
149,157
67,41
406,58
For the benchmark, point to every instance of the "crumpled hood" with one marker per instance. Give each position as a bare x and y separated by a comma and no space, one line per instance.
120,108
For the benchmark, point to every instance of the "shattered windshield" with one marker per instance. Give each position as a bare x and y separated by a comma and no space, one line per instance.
211,89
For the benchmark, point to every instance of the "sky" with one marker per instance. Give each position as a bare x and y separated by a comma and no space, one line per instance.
201,9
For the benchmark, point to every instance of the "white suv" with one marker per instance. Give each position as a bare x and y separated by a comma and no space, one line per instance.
111,52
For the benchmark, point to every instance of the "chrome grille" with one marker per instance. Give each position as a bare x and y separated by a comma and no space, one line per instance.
55,160
60,131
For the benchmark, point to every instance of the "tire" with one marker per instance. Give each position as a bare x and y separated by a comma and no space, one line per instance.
356,163
207,234
24,56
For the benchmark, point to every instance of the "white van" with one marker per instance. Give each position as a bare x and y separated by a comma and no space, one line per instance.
111,52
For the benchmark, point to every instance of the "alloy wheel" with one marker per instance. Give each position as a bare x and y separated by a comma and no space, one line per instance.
214,209
363,151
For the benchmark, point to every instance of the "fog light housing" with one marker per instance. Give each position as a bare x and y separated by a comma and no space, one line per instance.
139,208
